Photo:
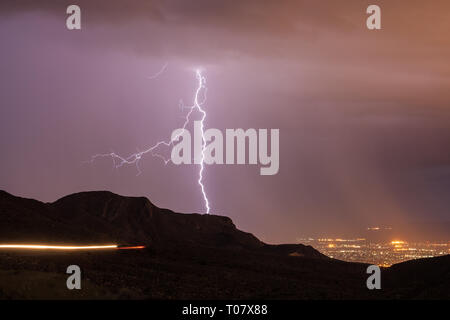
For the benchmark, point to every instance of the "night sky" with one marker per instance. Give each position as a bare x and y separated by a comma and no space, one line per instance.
364,116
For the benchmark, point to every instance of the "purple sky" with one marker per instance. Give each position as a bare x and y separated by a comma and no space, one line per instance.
364,116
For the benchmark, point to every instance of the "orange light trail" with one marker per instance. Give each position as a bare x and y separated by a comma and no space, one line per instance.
131,248
52,247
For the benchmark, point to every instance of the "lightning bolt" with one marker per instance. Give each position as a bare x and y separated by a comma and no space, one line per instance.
198,105
156,75
119,161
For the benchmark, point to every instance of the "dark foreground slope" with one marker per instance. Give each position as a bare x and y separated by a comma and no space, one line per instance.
187,256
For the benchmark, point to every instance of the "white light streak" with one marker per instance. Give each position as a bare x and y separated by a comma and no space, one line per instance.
52,247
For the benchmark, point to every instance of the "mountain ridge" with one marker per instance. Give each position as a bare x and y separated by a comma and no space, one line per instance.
187,256
93,216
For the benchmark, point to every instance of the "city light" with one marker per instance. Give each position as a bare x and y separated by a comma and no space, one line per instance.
378,252
397,242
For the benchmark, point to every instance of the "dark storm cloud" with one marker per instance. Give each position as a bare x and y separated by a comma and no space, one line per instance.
268,16
328,32
327,40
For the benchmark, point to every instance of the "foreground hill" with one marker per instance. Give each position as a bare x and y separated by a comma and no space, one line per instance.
188,256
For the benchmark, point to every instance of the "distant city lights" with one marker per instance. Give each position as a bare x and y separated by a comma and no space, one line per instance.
377,252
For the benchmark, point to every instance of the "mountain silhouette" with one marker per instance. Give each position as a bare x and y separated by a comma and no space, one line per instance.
102,216
187,256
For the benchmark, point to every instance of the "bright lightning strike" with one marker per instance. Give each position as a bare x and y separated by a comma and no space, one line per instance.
197,105
134,158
